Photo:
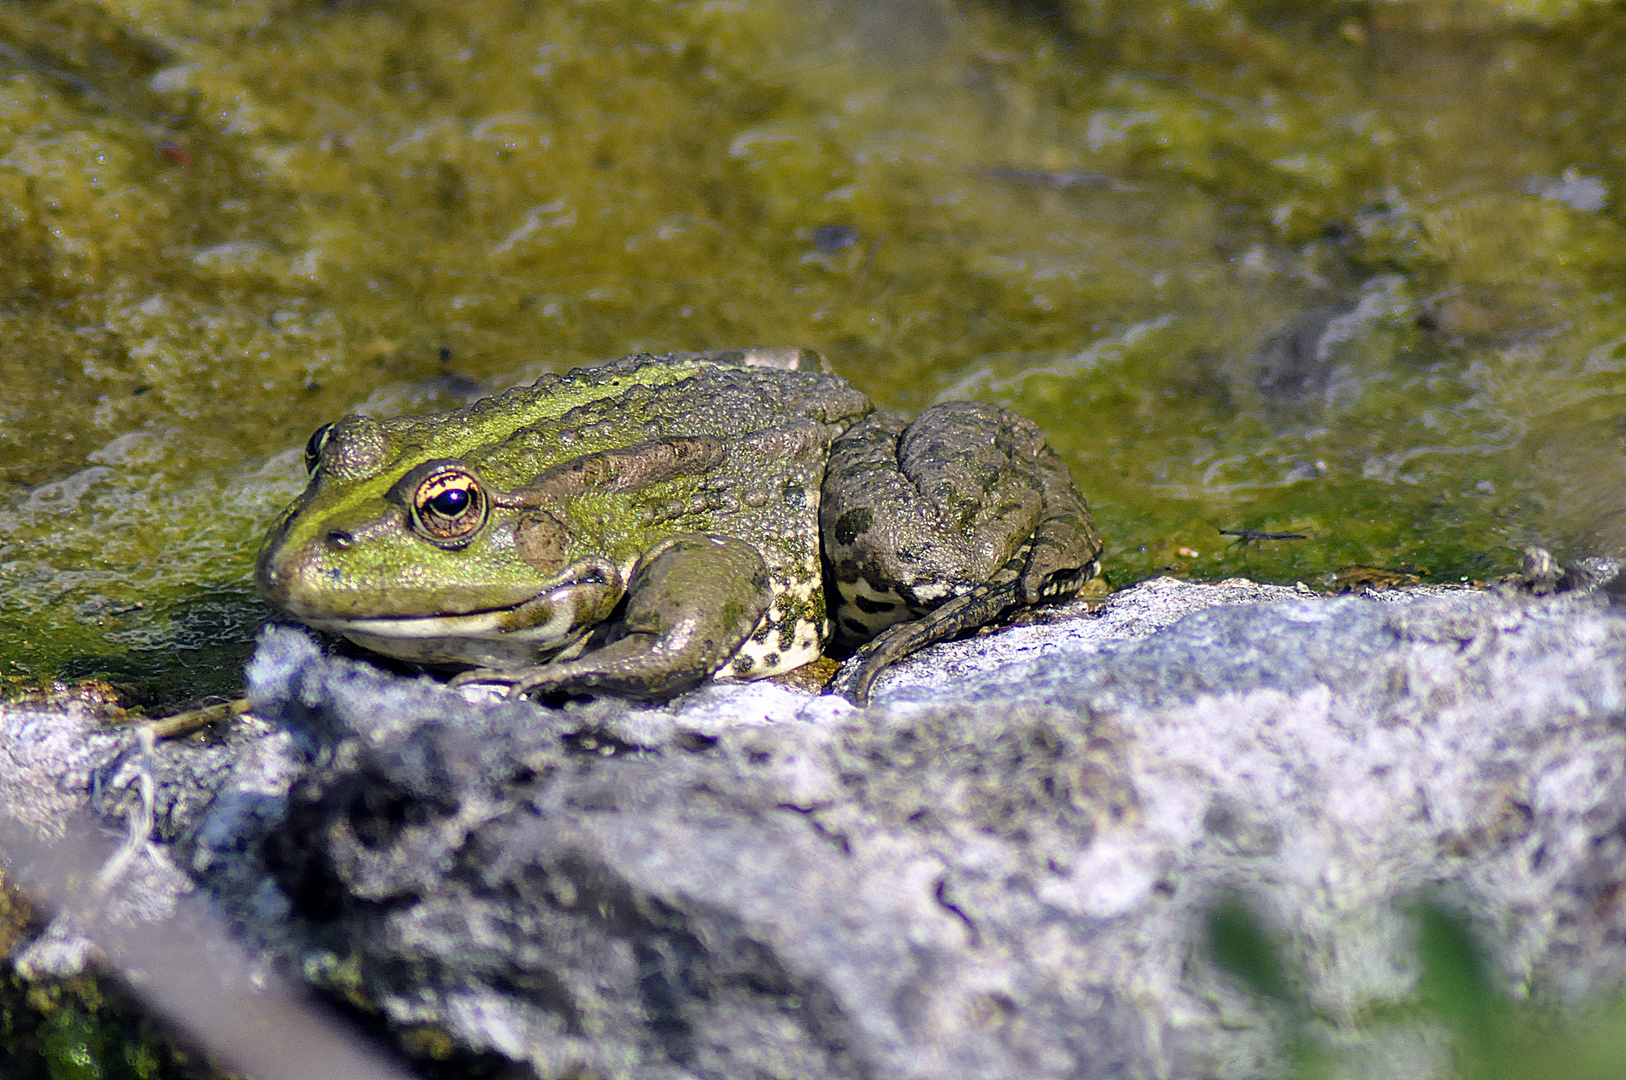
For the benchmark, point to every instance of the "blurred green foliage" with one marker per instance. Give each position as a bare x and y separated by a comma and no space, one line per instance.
73,1030
1489,1036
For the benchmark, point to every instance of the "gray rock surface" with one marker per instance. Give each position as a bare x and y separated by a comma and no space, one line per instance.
1002,868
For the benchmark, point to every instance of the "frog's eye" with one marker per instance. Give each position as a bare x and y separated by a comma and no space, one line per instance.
313,448
449,507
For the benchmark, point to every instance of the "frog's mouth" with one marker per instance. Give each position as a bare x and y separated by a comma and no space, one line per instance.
541,619
482,639
581,596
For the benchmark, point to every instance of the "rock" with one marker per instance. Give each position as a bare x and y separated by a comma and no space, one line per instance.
1002,868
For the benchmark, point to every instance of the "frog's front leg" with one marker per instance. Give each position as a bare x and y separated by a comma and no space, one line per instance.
692,601
934,528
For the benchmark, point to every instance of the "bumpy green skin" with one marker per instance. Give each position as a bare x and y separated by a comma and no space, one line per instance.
659,520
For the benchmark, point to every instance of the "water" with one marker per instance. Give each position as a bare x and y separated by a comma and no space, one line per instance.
1337,270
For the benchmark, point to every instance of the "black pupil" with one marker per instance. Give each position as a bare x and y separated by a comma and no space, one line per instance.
450,503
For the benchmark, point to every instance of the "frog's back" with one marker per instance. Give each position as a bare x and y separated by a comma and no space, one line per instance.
518,434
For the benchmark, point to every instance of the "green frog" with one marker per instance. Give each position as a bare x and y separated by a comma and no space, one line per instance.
639,527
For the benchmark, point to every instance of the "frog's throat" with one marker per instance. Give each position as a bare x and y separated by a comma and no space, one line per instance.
591,589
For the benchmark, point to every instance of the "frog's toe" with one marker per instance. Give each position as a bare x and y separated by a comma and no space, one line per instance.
492,676
853,680
1044,584
891,645
532,680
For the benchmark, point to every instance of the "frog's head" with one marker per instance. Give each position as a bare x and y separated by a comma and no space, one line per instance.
402,545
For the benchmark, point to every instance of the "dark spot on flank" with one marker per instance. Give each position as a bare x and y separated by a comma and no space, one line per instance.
873,607
743,664
852,523
845,571
856,627
771,660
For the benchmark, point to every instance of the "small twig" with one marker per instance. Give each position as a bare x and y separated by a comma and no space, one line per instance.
184,723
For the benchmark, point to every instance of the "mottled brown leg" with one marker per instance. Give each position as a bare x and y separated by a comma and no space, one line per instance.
934,528
930,509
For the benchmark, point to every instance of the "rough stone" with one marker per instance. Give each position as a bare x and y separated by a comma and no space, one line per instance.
1002,868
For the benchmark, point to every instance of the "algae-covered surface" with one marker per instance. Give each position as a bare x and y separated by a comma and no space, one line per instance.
1348,271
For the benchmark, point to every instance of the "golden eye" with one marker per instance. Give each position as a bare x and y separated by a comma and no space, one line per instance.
449,507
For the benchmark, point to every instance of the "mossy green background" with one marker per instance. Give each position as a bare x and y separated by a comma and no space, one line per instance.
224,223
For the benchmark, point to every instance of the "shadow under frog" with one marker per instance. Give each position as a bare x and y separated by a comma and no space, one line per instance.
639,527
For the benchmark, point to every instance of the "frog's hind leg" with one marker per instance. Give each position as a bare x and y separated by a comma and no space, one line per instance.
691,602
982,605
934,528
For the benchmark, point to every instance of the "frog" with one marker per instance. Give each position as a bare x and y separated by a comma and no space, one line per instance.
639,527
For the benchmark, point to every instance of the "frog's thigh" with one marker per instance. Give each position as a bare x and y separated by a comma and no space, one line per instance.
912,515
691,602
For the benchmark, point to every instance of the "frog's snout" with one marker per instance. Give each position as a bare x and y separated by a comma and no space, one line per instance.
284,571
274,575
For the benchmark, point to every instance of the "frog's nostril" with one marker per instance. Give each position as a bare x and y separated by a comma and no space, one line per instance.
338,539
